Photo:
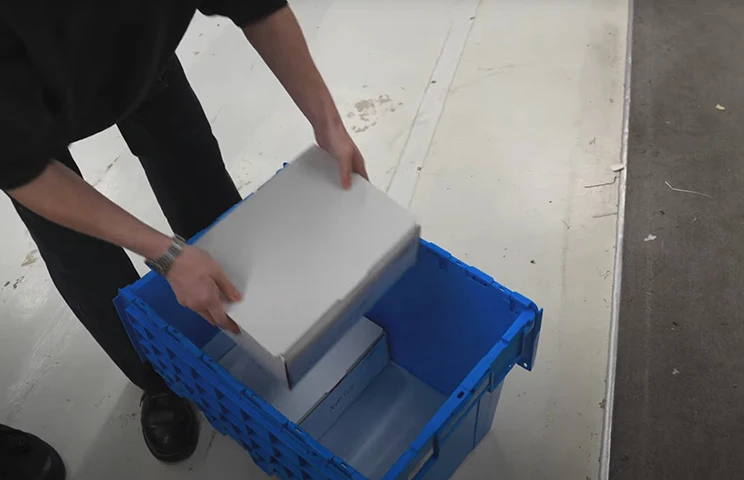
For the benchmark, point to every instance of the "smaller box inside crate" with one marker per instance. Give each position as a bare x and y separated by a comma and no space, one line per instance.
327,390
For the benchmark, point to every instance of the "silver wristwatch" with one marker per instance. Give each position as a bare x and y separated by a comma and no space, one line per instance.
163,263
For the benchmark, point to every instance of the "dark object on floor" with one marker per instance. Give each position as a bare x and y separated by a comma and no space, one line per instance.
26,457
170,427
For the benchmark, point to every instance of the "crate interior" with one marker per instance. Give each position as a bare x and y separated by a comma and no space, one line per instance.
441,319
440,322
381,424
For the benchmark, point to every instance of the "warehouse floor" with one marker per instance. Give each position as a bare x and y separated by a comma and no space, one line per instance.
496,121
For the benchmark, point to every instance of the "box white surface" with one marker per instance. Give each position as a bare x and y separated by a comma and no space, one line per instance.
329,387
304,253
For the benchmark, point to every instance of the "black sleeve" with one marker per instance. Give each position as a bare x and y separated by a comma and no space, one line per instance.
242,12
29,136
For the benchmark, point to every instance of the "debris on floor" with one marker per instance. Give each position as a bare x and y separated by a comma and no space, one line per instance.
595,185
650,238
687,191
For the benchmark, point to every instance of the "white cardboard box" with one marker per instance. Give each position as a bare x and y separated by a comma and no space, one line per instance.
333,384
310,259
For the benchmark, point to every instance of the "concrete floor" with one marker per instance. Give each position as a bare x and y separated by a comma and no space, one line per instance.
680,372
489,119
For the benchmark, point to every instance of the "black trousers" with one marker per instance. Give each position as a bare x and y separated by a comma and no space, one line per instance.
173,140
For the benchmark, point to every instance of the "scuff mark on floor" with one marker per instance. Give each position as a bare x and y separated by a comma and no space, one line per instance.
490,72
106,170
364,128
31,258
110,165
17,404
125,418
243,183
217,115
367,112
209,445
99,402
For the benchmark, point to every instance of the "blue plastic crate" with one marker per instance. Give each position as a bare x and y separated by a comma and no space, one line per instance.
449,325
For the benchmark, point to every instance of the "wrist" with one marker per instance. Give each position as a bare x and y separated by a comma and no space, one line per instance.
155,246
328,119
164,261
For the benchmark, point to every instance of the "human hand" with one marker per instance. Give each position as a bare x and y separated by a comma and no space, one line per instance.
200,285
336,141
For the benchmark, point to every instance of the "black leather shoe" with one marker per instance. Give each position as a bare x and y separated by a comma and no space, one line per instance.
26,457
170,426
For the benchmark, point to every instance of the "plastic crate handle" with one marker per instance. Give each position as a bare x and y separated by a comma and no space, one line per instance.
532,336
440,438
527,346
425,464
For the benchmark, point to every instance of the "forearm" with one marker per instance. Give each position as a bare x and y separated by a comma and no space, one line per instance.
280,42
61,196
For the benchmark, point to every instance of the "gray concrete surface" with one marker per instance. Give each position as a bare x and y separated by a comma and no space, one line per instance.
679,411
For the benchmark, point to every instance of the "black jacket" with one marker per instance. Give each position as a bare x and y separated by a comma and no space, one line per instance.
69,69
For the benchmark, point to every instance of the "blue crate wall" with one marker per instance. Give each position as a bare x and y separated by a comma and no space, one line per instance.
461,332
444,316
456,329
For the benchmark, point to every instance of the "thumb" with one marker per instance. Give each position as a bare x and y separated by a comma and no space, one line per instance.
226,287
358,164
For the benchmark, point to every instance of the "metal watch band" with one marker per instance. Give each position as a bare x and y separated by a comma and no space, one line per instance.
163,264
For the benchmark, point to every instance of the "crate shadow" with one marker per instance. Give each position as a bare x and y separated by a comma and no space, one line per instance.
487,461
